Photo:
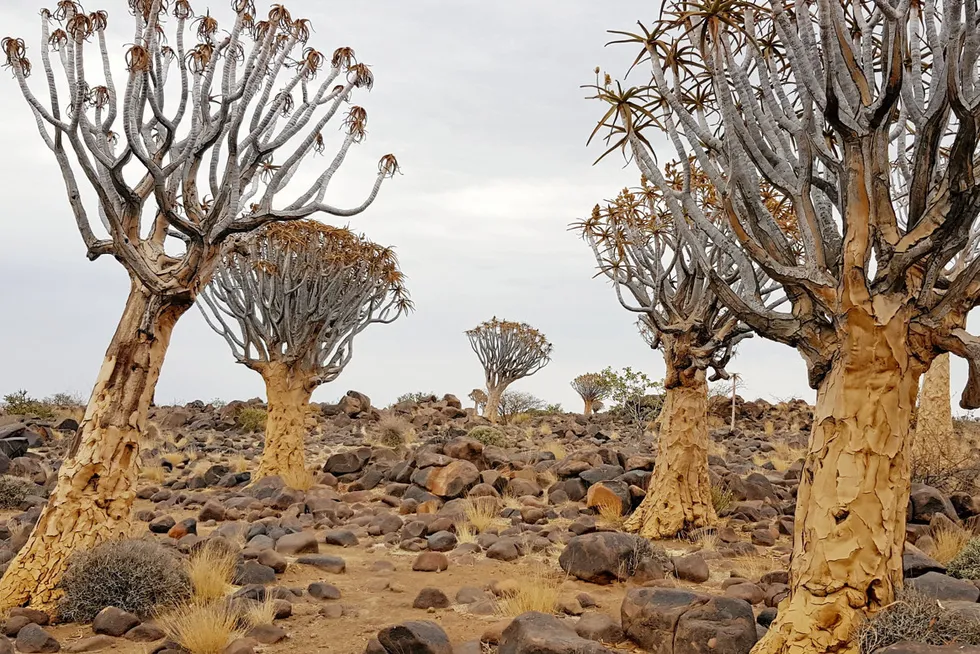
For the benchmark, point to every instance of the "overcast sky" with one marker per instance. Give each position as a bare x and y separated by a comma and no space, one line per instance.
482,104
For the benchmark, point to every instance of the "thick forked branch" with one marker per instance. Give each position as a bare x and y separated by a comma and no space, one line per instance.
235,112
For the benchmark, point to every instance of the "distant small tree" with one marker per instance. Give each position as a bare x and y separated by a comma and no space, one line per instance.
479,399
591,387
508,351
415,396
628,390
297,295
513,403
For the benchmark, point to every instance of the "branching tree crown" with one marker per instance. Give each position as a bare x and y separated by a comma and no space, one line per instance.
655,273
298,293
591,387
862,120
197,142
509,350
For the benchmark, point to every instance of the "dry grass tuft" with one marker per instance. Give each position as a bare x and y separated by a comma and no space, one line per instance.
465,532
211,569
239,463
201,628
302,480
752,567
610,515
537,591
708,542
722,499
395,432
259,614
555,448
482,513
155,473
950,541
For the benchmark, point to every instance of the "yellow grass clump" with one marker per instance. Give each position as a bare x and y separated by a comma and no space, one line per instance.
201,628
610,515
465,532
537,591
155,473
259,614
555,448
302,480
950,540
211,569
482,513
752,567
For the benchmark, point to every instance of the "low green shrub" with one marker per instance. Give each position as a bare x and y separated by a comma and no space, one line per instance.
251,419
966,564
489,436
14,490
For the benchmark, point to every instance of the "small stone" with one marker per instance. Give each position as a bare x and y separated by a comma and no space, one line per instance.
431,598
33,639
273,559
340,538
324,591
431,562
267,634
91,644
303,542
112,621
332,564
691,567
145,633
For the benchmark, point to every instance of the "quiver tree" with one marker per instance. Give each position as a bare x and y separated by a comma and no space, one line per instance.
592,388
859,120
508,351
479,398
654,273
289,300
194,146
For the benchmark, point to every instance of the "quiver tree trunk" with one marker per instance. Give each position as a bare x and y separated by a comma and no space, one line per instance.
492,410
288,391
92,499
588,409
854,491
679,495
934,419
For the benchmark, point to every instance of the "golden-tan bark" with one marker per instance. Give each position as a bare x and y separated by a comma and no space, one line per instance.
679,495
587,411
934,419
288,392
854,489
492,410
94,494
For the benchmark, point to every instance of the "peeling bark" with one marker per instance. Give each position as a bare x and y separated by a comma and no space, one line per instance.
288,393
92,500
934,419
679,495
587,411
492,410
854,489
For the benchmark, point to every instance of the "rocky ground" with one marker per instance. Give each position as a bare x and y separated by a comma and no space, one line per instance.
423,530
